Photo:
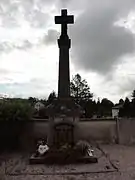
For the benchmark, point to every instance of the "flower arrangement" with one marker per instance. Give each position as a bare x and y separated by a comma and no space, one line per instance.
65,147
42,147
83,147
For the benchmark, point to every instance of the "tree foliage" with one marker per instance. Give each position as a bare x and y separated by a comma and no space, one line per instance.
32,100
79,89
18,109
15,109
106,107
51,97
14,113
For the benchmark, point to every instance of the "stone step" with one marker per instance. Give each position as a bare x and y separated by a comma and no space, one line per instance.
54,159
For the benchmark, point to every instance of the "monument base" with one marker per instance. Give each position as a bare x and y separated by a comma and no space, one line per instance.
64,106
58,159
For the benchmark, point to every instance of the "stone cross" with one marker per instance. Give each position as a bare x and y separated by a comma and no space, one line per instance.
64,20
64,45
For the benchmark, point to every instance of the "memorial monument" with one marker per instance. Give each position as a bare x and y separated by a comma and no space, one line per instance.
64,44
64,113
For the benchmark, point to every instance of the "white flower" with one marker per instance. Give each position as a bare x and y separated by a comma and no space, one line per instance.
42,149
90,152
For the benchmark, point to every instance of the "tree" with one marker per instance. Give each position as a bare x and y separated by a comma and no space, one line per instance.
106,102
106,106
126,110
51,97
121,101
98,107
79,89
15,109
133,94
32,100
133,104
14,113
133,98
90,108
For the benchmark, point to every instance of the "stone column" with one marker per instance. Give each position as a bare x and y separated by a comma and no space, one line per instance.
64,74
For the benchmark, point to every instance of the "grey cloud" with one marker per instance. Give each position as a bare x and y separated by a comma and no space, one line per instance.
25,45
34,12
37,83
38,19
9,21
97,43
51,37
9,13
4,71
37,87
64,3
7,46
29,10
127,85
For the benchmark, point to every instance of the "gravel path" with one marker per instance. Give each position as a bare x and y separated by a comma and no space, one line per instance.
121,157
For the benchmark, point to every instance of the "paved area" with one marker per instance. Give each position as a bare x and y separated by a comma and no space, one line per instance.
116,157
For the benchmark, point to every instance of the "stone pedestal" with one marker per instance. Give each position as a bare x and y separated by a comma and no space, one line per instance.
63,114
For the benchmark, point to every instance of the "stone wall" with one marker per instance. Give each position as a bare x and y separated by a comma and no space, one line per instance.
34,130
98,130
127,131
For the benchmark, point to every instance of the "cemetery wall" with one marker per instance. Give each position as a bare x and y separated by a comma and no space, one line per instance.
127,131
34,130
99,131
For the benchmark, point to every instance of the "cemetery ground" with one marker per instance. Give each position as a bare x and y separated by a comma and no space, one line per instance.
115,162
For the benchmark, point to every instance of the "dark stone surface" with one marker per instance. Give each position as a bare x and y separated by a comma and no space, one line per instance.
62,133
63,156
64,104
64,44
60,158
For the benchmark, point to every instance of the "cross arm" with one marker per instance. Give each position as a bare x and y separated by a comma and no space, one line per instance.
64,20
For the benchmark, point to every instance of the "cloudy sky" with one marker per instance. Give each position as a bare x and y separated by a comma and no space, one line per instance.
103,46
